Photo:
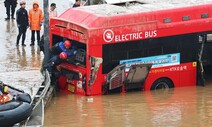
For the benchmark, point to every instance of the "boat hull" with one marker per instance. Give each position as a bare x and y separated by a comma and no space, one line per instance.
14,112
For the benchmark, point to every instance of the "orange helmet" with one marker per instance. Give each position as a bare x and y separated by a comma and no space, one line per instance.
67,44
63,55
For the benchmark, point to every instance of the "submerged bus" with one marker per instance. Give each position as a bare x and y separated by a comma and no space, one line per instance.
134,45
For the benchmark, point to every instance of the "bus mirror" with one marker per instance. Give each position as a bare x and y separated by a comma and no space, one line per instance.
94,63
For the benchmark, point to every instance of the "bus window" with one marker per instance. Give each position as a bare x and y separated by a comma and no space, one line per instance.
155,51
113,53
168,49
119,55
137,53
188,47
209,38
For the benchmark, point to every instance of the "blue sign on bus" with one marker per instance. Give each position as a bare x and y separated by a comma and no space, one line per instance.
157,61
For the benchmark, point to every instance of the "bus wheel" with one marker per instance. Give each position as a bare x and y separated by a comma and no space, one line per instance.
162,83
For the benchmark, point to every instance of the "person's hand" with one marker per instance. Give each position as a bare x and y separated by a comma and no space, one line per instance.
19,25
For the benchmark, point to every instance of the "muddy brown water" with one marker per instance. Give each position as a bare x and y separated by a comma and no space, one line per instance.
179,107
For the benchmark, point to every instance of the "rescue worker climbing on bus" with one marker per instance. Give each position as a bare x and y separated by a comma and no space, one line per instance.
53,66
63,47
55,61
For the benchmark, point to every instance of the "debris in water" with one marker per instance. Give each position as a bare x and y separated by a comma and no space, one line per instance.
90,100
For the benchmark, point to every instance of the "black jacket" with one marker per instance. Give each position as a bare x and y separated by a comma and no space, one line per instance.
22,17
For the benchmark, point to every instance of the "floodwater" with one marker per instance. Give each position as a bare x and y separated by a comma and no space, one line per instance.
180,107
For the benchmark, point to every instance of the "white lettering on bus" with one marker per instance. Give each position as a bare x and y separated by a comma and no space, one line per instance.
128,37
150,34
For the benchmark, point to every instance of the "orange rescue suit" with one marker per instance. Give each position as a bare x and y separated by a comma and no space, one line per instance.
35,18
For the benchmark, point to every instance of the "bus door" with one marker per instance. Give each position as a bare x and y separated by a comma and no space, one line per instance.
133,79
137,76
204,57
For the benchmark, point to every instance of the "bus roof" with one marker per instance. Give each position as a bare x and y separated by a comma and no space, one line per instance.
135,6
106,15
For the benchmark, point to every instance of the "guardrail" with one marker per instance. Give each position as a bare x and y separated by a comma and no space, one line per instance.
39,102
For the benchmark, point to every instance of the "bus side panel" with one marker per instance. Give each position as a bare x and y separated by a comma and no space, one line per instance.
95,88
188,75
153,77
181,75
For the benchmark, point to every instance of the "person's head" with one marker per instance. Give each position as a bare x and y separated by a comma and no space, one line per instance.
78,2
67,44
23,4
63,55
52,6
35,5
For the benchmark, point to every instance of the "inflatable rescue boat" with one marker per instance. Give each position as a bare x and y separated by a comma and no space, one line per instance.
15,105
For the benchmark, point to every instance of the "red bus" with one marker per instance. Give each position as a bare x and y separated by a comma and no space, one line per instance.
134,46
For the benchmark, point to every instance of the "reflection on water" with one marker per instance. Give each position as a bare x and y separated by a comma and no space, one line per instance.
19,66
21,56
35,57
187,106
10,26
17,58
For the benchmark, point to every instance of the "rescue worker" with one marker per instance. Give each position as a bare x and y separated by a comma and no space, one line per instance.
22,23
52,11
63,47
10,5
77,3
55,61
35,22
53,68
3,93
3,88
